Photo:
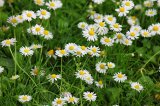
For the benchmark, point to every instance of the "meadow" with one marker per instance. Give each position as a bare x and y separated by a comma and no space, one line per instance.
79,53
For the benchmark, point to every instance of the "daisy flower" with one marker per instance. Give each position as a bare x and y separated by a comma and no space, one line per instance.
71,99
37,29
61,53
84,49
26,51
154,29
8,42
98,1
47,34
94,51
28,15
101,28
137,86
128,4
35,71
89,96
98,17
107,41
81,74
82,25
79,52
58,102
119,77
65,94
20,18
54,4
36,46
136,28
90,33
116,27
145,33
13,20
53,77
110,65
1,69
43,14
50,53
110,19
99,84
132,34
101,67
148,3
138,7
70,47
132,20
127,42
14,77
118,37
88,79
24,98
39,2
122,11
151,12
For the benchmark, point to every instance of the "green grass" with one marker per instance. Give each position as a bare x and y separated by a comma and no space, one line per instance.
63,24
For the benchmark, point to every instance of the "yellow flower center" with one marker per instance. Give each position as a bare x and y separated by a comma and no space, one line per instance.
120,75
110,18
52,4
127,4
110,65
79,52
102,24
145,33
8,42
102,66
43,12
100,82
91,32
26,50
126,41
53,76
35,71
119,36
155,28
90,95
82,25
121,9
39,2
94,50
38,29
25,98
116,25
71,48
83,47
59,101
151,12
50,52
13,20
62,51
132,34
107,40
81,72
134,18
29,15
137,86
71,99
45,32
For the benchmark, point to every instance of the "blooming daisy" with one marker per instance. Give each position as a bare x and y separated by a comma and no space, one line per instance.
116,27
26,51
71,99
79,52
84,49
82,25
81,74
101,28
20,18
37,29
98,1
138,7
8,42
99,83
151,12
118,37
35,71
127,42
137,86
61,53
50,53
58,102
119,77
122,11
132,34
70,47
107,41
47,34
54,4
13,20
94,51
148,3
101,67
128,4
14,77
24,98
43,14
145,33
89,96
90,33
36,46
1,69
39,2
136,28
110,65
88,79
132,20
53,77
28,15
154,29
98,17
65,94
109,19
